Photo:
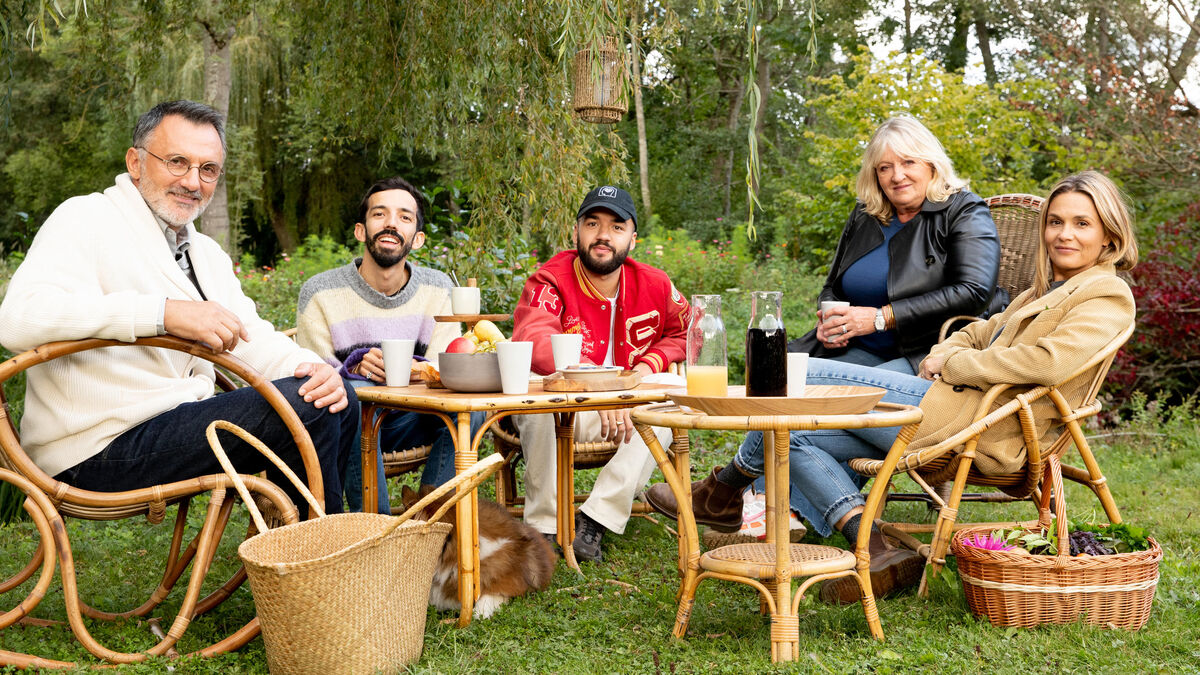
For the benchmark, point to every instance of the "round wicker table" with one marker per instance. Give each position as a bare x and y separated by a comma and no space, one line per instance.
771,566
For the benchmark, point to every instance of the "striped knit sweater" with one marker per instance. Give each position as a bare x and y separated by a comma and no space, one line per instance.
340,316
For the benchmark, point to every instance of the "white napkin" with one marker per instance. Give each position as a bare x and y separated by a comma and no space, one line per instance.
665,378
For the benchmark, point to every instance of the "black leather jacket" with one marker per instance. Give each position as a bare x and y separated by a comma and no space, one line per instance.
942,264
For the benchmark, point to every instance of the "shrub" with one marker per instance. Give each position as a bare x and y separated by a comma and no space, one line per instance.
1161,356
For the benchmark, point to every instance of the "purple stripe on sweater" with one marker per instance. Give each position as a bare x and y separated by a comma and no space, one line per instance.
370,330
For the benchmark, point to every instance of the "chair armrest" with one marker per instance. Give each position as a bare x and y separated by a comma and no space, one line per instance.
14,455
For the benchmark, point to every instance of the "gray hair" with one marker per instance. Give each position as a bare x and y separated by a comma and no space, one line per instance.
197,113
908,138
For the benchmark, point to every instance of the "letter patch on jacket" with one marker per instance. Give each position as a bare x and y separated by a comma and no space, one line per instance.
640,331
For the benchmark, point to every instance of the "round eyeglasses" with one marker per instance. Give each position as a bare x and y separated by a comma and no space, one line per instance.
178,165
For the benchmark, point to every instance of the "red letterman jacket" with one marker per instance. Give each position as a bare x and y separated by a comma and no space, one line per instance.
650,325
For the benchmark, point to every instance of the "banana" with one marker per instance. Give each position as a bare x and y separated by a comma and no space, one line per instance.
487,331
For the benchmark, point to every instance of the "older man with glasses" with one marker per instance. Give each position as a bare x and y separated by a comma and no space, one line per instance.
129,263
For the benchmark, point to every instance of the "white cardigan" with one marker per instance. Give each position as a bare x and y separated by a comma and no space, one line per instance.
100,267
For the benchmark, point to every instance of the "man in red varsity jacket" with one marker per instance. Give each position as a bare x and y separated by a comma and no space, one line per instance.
630,315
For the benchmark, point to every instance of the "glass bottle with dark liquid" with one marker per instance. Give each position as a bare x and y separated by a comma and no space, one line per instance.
766,346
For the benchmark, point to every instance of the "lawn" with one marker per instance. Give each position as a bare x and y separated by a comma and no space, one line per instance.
617,615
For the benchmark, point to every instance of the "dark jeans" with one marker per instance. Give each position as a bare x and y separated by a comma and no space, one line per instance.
172,445
402,430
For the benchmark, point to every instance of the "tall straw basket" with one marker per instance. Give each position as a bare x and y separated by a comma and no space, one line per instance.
1010,589
344,593
599,78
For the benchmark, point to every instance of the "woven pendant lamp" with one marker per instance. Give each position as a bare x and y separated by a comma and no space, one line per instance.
599,90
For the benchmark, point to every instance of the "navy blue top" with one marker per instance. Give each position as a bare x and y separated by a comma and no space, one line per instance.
865,285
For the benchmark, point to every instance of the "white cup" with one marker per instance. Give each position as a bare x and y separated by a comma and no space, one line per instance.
397,361
567,347
797,373
827,305
515,359
464,299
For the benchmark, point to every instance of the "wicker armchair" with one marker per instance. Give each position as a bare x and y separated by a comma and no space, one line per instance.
48,501
952,459
1016,217
587,456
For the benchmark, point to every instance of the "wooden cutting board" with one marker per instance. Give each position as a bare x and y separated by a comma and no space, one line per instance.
628,379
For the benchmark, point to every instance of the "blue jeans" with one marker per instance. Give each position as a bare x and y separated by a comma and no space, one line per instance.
172,446
818,459
401,431
861,357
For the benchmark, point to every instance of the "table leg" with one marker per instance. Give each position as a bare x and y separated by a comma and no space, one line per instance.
369,444
564,437
466,514
785,625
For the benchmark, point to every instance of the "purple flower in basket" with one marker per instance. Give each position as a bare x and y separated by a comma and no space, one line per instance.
988,542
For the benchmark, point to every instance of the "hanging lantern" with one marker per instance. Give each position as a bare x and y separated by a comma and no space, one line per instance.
600,88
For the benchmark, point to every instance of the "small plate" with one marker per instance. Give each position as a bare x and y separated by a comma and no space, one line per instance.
590,372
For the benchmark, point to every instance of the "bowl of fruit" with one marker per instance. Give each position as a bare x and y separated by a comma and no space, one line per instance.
469,363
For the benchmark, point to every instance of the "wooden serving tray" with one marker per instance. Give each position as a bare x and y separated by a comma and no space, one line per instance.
628,379
818,399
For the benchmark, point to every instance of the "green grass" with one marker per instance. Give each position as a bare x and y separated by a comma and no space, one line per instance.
617,616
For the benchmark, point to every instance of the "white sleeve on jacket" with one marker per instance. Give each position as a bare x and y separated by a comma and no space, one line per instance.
56,292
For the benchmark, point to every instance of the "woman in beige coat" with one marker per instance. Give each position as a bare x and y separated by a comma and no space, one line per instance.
1077,305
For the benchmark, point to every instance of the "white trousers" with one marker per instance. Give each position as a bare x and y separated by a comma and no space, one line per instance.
620,479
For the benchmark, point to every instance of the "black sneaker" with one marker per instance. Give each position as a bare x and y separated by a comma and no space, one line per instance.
588,534
553,540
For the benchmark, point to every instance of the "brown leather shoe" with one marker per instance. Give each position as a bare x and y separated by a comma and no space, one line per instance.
892,570
714,503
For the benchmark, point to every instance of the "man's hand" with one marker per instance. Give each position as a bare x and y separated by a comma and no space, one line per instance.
931,367
616,425
642,369
206,322
324,386
371,366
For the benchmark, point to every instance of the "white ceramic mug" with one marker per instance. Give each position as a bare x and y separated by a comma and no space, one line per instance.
567,348
797,373
397,361
515,359
464,299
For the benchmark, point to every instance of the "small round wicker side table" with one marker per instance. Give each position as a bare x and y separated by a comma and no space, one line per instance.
771,566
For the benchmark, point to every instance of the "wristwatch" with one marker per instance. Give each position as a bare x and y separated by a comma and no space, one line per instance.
880,324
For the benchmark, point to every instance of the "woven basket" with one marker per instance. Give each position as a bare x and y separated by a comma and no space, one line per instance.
1113,591
345,593
1012,589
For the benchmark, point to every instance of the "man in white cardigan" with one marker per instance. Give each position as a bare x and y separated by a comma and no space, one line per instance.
129,263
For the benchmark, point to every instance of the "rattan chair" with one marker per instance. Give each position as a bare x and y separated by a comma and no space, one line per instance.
588,455
952,459
1016,217
48,501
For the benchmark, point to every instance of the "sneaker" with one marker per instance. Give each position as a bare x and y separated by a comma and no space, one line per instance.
588,534
754,524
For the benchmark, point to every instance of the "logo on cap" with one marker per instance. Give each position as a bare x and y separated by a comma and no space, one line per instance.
608,191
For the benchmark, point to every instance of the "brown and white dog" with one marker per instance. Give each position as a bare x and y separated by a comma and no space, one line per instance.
514,558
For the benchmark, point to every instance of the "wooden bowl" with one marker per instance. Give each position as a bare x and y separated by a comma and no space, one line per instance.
470,372
818,399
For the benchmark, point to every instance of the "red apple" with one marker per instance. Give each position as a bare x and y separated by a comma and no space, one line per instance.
461,346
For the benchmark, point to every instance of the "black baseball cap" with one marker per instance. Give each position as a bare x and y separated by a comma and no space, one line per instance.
611,198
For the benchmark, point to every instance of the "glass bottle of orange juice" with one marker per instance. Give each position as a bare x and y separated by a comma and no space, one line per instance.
707,358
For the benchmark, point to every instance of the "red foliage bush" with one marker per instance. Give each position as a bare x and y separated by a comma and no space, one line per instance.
1163,356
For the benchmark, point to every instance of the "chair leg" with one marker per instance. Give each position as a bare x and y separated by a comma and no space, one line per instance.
687,600
1092,478
944,527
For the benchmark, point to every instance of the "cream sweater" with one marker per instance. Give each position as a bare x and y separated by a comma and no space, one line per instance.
99,267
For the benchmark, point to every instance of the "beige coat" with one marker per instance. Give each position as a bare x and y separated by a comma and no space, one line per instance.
1042,341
